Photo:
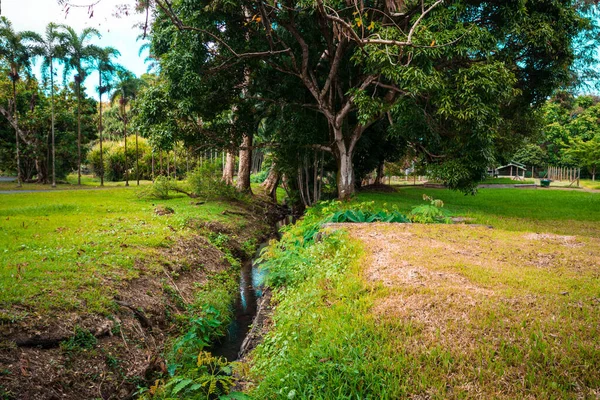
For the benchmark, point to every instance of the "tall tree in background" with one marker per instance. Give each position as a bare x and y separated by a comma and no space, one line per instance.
126,89
107,69
447,77
586,154
51,49
15,52
79,53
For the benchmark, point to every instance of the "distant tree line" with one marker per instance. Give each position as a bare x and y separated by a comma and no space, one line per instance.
568,136
53,122
333,91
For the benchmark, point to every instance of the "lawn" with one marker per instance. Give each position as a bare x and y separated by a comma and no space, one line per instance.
87,181
506,181
392,311
590,184
537,210
67,250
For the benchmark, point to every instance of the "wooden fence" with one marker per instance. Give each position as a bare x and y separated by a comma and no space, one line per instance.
560,174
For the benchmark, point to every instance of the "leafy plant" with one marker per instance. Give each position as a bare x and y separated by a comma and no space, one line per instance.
201,330
82,339
210,378
159,189
360,216
430,213
206,182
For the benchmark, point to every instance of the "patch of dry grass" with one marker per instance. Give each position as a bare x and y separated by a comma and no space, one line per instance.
468,311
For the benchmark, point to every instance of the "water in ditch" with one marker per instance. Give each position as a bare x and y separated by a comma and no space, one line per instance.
250,290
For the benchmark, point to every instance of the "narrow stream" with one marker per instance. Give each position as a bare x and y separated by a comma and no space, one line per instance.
251,281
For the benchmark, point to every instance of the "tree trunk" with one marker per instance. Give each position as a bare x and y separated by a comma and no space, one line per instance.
229,168
345,170
19,178
243,182
53,143
270,184
175,161
160,163
125,138
380,170
40,168
137,159
594,174
79,129
100,131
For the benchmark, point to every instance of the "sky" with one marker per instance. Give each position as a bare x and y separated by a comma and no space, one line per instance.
118,32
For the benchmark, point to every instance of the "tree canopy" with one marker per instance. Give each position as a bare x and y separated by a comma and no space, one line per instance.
448,79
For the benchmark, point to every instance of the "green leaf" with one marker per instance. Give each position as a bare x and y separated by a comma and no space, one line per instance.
181,385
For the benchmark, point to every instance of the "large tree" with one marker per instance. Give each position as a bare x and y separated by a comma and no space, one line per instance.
15,52
50,48
445,76
79,54
126,89
586,154
107,70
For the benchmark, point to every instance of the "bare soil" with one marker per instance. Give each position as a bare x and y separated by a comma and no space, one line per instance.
34,365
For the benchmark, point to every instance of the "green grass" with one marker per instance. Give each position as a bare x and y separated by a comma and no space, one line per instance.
590,184
395,311
537,210
506,181
69,250
87,181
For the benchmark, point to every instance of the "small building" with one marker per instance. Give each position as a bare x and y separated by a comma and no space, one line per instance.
513,170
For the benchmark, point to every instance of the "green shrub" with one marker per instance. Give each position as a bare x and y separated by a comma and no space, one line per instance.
159,190
82,339
114,159
431,213
206,182
259,177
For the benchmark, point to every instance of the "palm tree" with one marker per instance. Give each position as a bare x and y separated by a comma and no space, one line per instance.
15,52
50,48
126,89
79,53
106,71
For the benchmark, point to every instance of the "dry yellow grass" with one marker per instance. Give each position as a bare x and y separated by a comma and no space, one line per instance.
505,314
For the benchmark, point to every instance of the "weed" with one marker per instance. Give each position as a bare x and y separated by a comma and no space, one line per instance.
159,190
430,213
81,340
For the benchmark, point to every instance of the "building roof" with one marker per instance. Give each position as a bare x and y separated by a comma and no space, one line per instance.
513,164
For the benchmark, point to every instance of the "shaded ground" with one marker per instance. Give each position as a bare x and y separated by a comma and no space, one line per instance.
490,313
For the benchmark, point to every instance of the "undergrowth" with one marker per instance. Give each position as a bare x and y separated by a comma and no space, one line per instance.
192,372
329,339
311,352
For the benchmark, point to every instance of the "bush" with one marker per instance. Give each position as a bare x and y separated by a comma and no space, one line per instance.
431,213
259,177
206,182
114,159
159,189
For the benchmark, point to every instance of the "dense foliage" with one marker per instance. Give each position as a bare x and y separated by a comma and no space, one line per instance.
452,85
34,107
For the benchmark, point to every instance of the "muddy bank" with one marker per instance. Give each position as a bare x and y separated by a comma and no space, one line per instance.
84,356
